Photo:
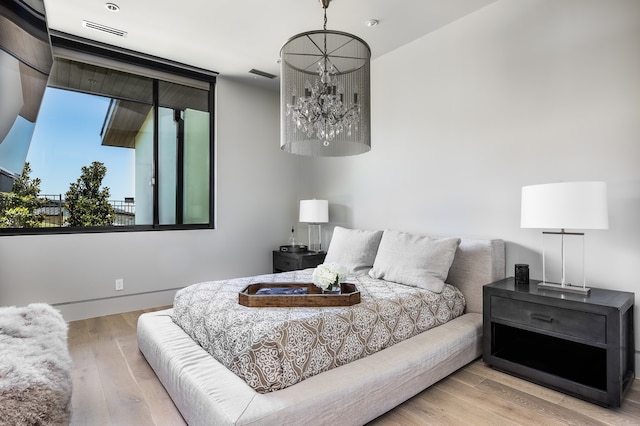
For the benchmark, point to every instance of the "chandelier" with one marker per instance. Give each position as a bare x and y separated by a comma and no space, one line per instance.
324,93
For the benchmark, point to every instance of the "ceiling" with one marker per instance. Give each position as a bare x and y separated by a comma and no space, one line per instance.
234,36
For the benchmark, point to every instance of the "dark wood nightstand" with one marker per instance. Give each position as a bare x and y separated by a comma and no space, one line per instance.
580,345
287,261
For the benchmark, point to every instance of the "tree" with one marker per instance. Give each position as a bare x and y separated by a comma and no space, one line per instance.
88,203
19,208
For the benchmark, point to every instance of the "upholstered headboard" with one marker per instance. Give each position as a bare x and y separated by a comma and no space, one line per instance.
477,262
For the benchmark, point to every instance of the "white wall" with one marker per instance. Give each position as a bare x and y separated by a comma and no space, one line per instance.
255,183
521,92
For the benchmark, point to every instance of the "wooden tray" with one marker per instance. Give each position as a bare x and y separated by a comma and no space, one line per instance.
314,298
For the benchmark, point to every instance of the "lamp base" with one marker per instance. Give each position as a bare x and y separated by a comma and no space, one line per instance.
315,237
565,288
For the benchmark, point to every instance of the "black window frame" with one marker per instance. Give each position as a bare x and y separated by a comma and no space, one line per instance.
152,63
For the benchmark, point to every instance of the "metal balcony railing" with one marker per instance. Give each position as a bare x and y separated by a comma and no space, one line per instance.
56,213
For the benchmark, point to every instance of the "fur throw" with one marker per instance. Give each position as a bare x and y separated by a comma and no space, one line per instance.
35,366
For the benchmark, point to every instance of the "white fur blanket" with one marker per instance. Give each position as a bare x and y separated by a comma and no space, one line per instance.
35,366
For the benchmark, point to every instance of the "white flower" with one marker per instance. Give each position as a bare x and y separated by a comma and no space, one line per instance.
327,275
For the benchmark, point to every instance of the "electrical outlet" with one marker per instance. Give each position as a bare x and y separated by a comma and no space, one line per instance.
119,284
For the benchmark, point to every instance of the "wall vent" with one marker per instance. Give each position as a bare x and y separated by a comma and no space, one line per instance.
104,28
262,73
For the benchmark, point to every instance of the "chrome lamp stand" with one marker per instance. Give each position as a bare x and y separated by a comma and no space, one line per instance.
563,285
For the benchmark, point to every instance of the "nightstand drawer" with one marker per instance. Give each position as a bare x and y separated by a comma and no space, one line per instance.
285,261
568,322
311,261
282,263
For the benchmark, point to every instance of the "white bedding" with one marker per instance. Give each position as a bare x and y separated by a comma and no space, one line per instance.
273,348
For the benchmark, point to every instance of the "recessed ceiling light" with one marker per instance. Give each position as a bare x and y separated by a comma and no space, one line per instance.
112,7
371,22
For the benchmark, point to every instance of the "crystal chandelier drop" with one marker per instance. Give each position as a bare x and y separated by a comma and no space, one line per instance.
325,104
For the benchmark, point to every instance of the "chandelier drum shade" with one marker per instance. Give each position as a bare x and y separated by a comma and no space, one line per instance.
325,107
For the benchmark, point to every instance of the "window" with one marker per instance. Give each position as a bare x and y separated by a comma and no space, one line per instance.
122,142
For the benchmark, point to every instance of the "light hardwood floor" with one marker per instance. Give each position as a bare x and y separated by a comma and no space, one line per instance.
114,385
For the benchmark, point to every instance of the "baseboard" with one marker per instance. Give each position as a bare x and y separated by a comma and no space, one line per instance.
83,309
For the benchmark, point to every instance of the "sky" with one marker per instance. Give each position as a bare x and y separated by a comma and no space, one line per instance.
67,137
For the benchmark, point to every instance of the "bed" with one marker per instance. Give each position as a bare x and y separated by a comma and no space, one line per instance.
207,392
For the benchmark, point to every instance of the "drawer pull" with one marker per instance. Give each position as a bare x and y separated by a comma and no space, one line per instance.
544,318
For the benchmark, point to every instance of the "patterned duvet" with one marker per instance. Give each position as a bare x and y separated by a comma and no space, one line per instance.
272,348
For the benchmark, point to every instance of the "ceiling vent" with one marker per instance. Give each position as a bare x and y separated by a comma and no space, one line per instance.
104,28
262,73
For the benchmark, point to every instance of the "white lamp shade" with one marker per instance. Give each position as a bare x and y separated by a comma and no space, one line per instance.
565,205
314,211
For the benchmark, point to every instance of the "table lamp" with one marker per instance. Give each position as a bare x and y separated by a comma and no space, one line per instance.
565,205
314,212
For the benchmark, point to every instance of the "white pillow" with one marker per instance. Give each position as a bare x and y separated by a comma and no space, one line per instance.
415,260
353,248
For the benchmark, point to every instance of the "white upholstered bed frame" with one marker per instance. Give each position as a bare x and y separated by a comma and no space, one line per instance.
206,393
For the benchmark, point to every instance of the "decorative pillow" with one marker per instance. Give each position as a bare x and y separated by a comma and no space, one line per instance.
353,248
415,260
